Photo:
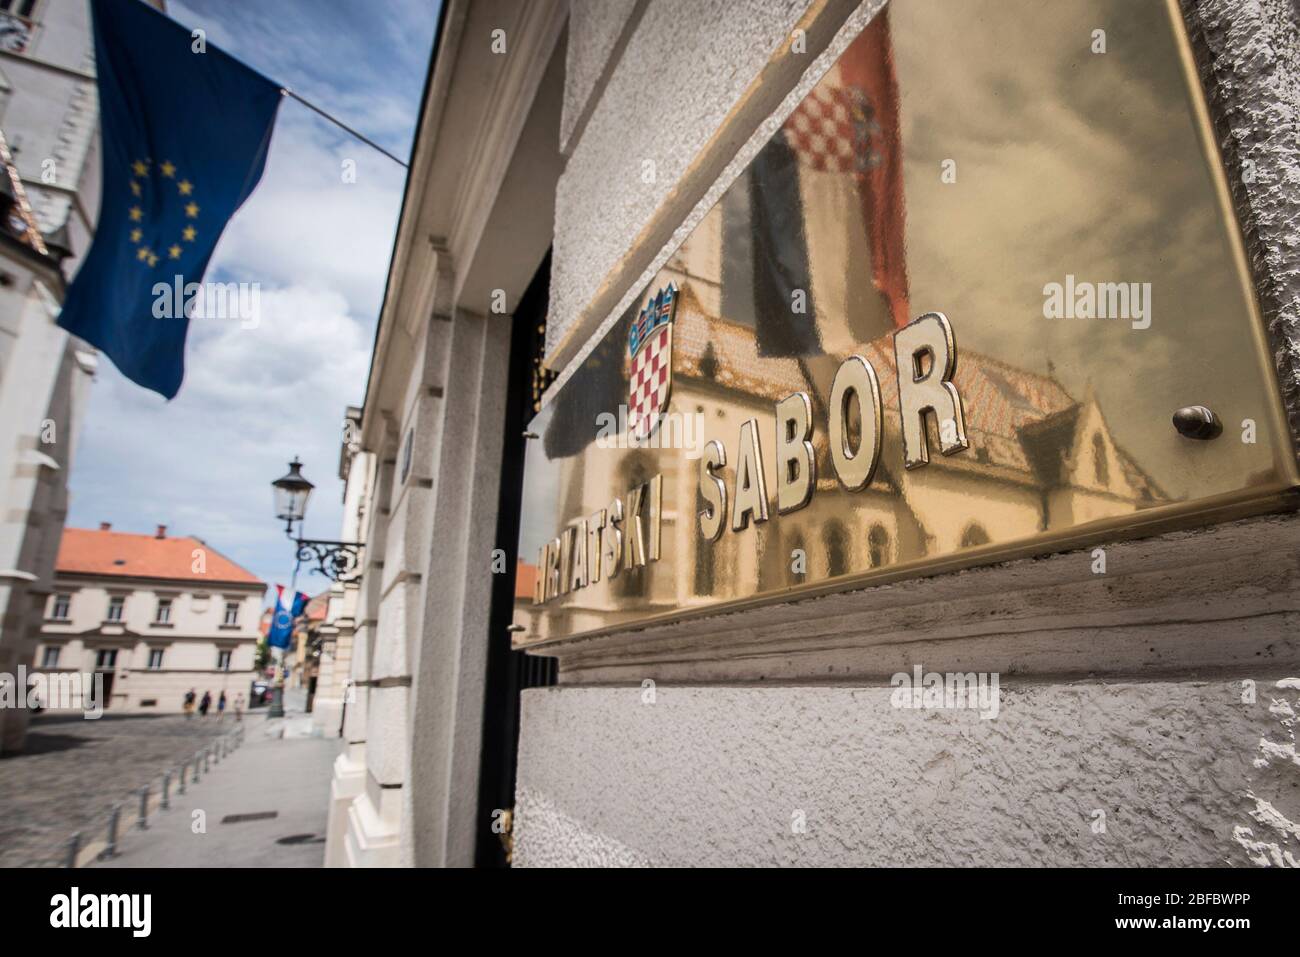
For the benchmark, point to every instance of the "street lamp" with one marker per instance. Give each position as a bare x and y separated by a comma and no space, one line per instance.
337,561
292,490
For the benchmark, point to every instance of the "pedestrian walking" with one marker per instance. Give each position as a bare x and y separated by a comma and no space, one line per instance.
189,703
205,704
239,707
221,706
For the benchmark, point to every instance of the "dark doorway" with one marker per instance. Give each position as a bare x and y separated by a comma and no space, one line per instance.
107,677
510,672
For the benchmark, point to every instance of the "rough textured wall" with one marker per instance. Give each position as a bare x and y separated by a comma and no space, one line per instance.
595,27
1186,773
1248,55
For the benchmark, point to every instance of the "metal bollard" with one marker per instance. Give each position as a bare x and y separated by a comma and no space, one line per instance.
114,813
181,788
167,780
198,755
143,822
207,752
74,848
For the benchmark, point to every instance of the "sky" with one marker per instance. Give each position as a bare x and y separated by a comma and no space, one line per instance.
256,396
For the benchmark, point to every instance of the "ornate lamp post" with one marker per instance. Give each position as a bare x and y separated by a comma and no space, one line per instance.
337,561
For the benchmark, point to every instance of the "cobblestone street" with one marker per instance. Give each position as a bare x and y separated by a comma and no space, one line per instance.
72,770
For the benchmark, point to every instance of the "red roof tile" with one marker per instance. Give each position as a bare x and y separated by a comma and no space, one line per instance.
87,551
525,579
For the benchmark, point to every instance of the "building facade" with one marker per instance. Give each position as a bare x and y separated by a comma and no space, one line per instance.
50,195
155,615
337,633
1085,514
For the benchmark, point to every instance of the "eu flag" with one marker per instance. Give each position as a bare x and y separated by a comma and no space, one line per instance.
287,610
185,132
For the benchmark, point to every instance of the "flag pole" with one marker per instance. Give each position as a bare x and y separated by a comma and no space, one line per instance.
285,91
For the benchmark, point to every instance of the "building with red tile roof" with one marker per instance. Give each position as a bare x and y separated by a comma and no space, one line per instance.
152,617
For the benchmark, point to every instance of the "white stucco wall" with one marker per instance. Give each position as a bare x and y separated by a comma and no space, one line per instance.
1184,771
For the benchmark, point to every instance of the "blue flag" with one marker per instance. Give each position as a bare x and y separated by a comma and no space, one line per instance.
280,633
185,132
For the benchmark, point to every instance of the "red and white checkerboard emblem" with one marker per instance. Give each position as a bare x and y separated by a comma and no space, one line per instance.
650,379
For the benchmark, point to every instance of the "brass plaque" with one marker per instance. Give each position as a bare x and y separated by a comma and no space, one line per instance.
947,316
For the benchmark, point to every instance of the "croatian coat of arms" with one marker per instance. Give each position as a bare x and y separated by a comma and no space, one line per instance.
650,345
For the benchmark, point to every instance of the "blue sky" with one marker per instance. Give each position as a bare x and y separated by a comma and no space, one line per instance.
319,248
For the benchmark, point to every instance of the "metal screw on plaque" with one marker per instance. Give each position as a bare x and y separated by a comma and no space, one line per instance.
74,849
143,823
181,787
1197,422
110,850
167,781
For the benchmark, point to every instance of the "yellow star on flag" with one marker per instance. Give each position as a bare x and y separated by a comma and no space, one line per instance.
191,210
153,260
168,169
185,186
174,252
188,233
135,235
140,167
143,253
136,213
135,187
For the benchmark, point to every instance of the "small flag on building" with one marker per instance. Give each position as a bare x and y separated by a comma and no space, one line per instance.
185,131
280,633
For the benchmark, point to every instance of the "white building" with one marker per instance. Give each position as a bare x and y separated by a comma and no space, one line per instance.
156,615
1131,579
48,116
337,632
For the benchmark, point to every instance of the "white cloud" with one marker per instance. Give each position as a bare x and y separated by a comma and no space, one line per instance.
319,248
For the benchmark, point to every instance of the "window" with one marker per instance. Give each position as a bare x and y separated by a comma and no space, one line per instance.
878,545
50,658
116,605
164,613
155,658
232,613
62,607
771,568
705,568
1100,467
223,661
837,549
106,658
797,567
